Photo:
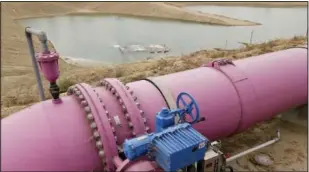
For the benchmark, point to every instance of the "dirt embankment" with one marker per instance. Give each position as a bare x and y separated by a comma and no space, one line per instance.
248,4
159,10
289,154
26,91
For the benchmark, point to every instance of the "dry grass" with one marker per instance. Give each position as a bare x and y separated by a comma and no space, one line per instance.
27,93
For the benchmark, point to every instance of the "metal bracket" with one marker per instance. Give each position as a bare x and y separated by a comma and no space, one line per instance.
234,74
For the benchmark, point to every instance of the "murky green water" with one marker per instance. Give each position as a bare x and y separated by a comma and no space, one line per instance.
97,37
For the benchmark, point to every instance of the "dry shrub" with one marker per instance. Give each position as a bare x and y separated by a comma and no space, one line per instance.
119,72
65,83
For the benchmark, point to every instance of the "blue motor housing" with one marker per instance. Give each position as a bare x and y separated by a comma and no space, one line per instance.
174,148
136,147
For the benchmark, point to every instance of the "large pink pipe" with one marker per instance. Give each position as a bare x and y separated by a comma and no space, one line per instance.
82,132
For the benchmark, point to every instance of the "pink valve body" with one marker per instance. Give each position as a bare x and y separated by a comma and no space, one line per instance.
48,63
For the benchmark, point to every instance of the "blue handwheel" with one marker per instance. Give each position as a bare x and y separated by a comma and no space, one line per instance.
188,106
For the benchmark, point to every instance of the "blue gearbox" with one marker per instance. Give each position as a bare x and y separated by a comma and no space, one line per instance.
173,148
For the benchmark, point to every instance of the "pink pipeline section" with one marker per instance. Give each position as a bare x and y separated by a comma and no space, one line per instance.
85,131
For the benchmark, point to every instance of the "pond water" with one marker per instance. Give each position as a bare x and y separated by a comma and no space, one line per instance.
99,37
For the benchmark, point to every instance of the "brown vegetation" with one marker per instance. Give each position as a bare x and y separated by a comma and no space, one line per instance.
27,91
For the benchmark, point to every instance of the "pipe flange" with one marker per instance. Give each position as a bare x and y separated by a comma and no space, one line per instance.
98,121
129,92
129,106
141,112
110,88
107,114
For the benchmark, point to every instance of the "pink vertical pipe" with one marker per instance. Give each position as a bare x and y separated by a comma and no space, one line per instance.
57,137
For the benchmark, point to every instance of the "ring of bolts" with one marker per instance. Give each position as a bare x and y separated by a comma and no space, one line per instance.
108,86
83,101
107,114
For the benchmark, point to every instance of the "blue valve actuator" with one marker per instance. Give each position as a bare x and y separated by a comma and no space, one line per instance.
173,148
174,144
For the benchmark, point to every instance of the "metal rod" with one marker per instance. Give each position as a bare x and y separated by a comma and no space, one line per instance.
43,39
251,36
255,148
